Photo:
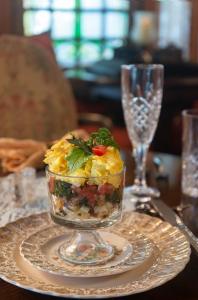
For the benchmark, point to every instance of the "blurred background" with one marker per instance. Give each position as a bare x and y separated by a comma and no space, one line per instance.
91,39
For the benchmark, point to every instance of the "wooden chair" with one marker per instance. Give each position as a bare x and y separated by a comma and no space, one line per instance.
36,100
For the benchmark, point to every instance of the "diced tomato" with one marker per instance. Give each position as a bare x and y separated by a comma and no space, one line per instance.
89,194
106,188
92,187
99,150
51,184
92,200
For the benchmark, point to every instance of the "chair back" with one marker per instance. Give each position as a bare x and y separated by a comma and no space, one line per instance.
36,100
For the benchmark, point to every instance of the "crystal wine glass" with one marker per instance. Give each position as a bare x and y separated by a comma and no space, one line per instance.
85,204
142,87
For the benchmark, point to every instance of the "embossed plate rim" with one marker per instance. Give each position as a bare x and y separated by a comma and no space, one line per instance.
130,287
123,265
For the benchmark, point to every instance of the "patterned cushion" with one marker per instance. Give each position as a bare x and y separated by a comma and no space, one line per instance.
36,101
45,41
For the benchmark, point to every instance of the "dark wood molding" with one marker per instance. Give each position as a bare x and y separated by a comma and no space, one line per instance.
194,32
11,17
17,16
150,5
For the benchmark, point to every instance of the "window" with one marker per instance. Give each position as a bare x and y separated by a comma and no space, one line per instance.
82,31
174,24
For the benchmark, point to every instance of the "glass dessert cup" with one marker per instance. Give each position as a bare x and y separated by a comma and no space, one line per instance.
85,204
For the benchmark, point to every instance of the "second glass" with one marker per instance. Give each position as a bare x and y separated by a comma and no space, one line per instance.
190,153
142,89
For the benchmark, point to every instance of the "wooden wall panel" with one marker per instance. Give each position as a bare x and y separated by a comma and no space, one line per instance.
11,20
194,32
150,5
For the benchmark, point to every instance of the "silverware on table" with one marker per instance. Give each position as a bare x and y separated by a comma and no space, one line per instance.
170,216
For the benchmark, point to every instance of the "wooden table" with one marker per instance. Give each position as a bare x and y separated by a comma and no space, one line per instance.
185,285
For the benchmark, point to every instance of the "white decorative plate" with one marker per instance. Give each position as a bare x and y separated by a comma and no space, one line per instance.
171,254
41,251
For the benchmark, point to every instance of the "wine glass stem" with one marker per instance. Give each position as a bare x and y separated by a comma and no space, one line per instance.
140,153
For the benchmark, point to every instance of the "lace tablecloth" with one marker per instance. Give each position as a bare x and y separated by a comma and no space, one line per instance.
24,194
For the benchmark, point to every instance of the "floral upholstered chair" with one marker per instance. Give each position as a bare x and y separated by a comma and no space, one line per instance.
35,99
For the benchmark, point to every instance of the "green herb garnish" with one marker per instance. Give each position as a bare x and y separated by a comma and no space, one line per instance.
102,137
83,149
62,189
80,144
114,197
76,159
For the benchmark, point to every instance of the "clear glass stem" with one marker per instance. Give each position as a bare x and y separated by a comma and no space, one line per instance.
86,247
140,154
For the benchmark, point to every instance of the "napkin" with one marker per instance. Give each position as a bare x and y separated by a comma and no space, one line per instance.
15,154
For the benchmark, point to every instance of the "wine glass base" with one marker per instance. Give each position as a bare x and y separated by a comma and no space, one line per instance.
86,248
143,192
141,203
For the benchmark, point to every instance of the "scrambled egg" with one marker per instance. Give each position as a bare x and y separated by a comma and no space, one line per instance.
55,157
98,169
105,167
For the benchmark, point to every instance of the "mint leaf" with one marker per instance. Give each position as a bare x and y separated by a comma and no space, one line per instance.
102,137
76,159
80,143
83,149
